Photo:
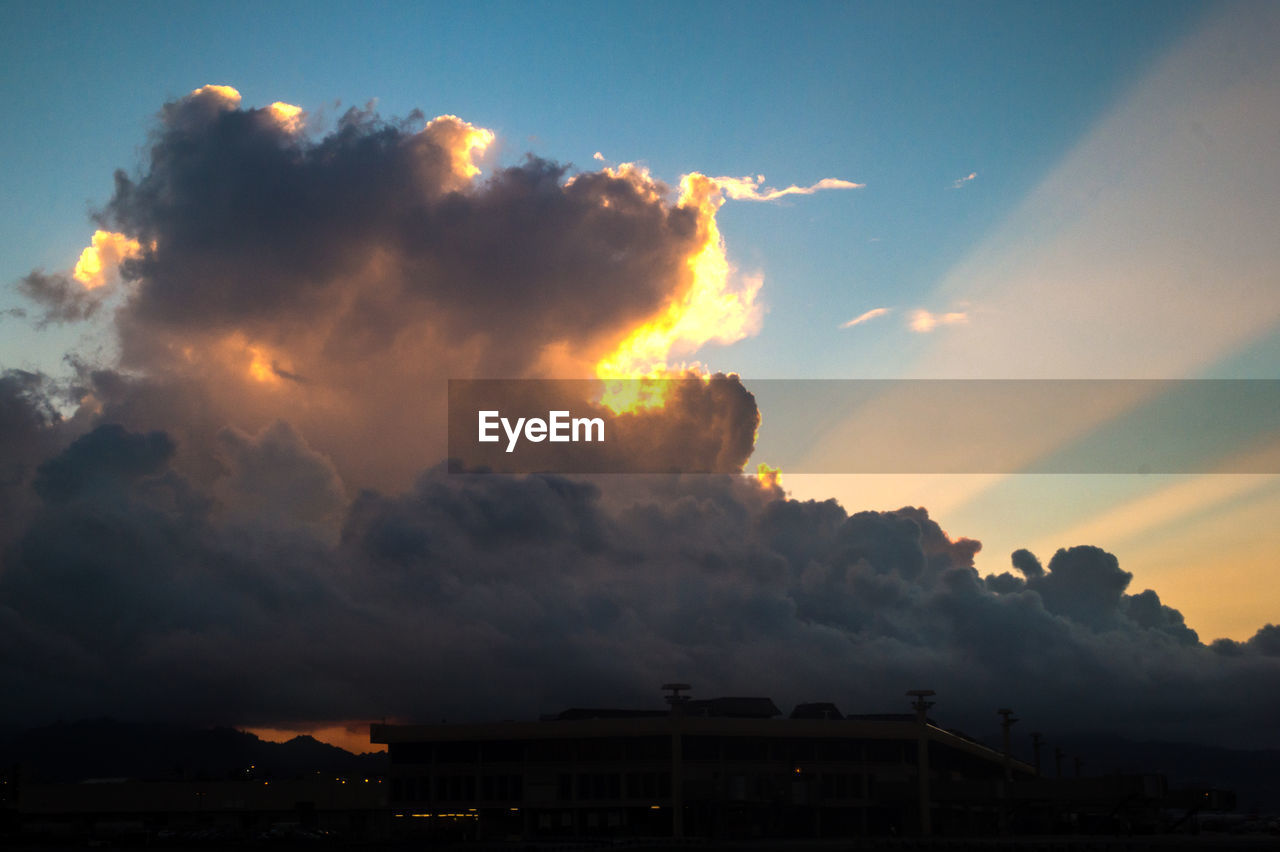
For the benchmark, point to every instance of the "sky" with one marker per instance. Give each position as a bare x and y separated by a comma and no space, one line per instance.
223,443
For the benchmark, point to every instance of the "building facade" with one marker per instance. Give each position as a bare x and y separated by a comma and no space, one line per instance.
727,768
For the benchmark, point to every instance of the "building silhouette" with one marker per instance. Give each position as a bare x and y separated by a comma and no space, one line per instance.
723,768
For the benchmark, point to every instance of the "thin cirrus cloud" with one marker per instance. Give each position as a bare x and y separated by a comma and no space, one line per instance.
867,316
920,320
752,188
959,182
923,322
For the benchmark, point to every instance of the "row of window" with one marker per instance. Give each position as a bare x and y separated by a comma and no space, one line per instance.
458,788
604,786
657,748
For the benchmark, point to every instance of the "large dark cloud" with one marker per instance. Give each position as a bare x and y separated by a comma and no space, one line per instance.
523,256
336,282
235,525
492,596
31,430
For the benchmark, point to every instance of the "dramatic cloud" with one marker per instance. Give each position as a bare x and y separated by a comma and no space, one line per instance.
235,525
526,594
865,317
335,283
31,430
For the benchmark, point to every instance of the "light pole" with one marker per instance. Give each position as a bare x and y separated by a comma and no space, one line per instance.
922,705
1007,721
677,702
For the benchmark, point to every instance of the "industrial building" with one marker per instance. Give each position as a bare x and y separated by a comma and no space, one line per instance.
723,769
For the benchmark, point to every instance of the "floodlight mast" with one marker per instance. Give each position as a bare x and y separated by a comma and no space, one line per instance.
1006,723
924,804
677,702
921,706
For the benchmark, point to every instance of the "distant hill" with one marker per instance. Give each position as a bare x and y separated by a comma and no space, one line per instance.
1254,775
104,748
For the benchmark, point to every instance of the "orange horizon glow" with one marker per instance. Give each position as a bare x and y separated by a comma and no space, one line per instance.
349,736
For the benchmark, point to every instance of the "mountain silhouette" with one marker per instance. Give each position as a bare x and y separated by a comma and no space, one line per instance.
105,748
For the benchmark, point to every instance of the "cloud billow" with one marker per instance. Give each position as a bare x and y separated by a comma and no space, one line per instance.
247,518
522,594
323,280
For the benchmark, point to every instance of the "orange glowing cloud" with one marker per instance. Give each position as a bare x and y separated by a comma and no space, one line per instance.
241,357
102,257
260,369
716,306
288,116
229,95
768,477
712,308
462,140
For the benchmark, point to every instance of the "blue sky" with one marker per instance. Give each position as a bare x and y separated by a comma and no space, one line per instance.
1058,109
903,97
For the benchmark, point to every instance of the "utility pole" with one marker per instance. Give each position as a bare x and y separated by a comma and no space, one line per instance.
922,705
1035,747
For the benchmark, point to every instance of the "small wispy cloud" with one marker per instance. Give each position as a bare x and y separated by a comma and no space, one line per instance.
866,317
598,156
923,322
752,188
964,180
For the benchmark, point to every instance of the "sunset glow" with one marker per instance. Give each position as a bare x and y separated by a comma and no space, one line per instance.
288,116
463,140
716,306
300,377
102,257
